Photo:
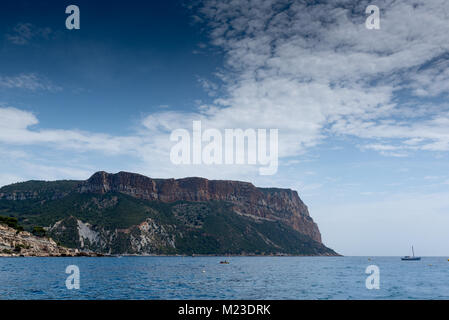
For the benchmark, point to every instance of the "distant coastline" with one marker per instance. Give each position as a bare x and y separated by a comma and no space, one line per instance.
131,214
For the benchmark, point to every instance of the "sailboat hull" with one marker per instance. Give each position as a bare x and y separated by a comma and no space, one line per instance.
411,258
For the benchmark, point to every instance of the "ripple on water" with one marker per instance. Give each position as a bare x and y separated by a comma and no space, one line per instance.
205,278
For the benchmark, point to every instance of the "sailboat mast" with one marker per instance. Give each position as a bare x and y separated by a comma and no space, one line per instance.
413,251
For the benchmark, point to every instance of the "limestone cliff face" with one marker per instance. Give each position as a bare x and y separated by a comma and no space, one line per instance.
143,238
22,243
262,203
15,196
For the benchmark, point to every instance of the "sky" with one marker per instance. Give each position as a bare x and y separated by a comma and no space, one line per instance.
362,114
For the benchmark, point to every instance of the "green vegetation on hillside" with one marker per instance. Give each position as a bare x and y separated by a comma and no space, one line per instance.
41,186
195,227
39,231
11,222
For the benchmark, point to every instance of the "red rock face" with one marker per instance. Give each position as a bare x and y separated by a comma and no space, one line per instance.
264,203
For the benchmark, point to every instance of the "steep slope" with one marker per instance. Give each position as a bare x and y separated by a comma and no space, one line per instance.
277,204
22,243
130,213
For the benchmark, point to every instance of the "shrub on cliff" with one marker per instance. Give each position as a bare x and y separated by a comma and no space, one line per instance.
39,231
11,222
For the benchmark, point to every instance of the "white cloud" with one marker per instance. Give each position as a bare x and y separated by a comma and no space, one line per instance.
432,134
49,173
29,81
15,128
150,146
23,33
313,72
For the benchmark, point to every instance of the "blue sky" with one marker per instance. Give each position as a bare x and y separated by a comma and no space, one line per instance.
363,115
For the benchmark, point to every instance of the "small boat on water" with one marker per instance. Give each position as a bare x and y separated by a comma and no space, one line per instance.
412,258
224,262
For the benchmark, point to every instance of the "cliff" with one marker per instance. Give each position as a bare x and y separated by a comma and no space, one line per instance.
269,203
127,213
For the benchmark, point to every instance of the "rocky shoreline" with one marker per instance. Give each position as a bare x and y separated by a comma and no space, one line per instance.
14,243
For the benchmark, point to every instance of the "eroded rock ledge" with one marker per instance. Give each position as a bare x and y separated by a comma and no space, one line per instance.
15,243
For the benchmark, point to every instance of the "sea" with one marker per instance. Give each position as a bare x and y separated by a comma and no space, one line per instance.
273,278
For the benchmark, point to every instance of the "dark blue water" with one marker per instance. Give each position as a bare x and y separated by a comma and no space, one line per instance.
205,278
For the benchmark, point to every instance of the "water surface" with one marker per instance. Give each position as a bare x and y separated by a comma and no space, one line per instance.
205,278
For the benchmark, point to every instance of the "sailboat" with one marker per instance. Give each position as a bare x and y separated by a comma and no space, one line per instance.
412,258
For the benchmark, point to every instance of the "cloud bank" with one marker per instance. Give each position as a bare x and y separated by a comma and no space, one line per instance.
312,71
